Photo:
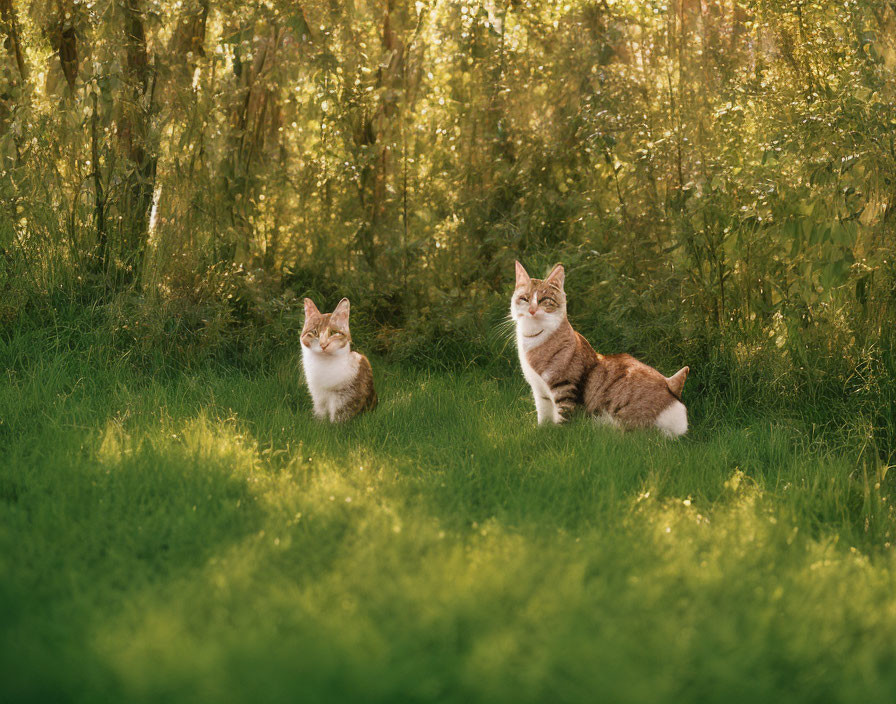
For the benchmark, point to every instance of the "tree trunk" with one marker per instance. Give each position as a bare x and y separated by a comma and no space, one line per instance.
60,31
254,123
137,144
14,44
100,259
375,133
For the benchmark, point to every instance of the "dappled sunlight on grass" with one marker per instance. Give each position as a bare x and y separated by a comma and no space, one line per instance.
197,440
216,540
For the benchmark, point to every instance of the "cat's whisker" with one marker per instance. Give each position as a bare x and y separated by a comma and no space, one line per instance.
506,328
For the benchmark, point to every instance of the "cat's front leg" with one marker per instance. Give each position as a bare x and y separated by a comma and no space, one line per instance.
564,397
320,408
544,407
335,408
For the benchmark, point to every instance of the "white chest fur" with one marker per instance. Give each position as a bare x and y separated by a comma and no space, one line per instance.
532,331
545,407
328,376
522,347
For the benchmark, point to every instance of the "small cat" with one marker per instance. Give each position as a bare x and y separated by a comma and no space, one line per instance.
564,371
340,381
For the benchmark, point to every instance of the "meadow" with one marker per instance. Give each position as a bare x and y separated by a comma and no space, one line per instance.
716,176
194,535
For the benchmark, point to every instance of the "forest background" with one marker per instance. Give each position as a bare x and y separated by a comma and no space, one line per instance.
718,176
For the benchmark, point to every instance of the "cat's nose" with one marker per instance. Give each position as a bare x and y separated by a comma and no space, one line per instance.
532,311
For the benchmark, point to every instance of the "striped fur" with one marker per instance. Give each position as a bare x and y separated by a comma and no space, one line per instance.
340,381
565,372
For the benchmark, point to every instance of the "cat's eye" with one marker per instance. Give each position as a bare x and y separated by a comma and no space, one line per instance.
549,301
334,333
524,299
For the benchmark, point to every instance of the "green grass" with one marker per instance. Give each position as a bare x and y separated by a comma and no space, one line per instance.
196,536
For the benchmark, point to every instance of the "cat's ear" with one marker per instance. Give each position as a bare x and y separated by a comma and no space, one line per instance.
310,309
556,277
522,278
340,312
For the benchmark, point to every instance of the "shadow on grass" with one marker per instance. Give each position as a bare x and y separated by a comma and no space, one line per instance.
200,538
91,521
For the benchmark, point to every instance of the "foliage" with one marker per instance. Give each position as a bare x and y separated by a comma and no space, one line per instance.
716,175
741,148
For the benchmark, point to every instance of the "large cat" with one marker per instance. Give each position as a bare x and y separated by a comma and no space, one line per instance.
340,381
564,371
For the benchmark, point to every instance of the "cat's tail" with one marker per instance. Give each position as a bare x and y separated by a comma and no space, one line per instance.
676,381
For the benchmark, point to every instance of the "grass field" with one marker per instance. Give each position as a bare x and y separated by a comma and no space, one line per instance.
196,536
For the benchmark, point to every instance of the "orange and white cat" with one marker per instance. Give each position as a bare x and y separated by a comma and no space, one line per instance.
340,380
564,371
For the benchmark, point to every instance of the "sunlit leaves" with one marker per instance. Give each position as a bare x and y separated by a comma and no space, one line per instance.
737,152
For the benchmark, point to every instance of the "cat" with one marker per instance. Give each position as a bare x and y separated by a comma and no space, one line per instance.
564,371
340,380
